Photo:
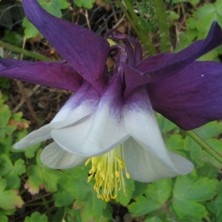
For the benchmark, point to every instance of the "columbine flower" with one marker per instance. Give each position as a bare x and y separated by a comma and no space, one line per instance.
109,121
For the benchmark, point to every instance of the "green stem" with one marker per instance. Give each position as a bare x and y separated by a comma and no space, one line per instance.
133,19
163,25
24,52
126,14
205,145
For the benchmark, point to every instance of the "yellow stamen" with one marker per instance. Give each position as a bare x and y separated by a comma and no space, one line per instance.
109,172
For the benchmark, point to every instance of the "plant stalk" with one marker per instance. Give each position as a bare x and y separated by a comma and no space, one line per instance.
205,145
24,52
163,25
134,21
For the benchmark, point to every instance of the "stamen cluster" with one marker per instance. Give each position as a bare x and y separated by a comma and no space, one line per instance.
109,172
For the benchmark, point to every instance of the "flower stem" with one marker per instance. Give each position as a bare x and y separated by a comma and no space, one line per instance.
24,52
134,21
163,25
210,150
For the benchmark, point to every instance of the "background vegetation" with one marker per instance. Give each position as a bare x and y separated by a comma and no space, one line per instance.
31,192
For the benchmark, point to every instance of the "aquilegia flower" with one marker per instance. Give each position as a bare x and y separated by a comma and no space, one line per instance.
109,120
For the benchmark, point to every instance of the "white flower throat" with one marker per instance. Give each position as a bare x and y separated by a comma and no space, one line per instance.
109,172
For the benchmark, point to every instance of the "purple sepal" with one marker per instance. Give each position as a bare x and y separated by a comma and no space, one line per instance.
133,79
84,50
7,63
164,65
192,97
51,74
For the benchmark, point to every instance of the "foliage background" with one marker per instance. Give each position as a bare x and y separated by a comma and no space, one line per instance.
31,192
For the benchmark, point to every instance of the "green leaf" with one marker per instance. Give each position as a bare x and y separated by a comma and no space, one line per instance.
36,216
72,185
13,38
198,155
84,3
215,208
193,2
54,6
63,198
165,124
5,115
30,30
159,191
17,169
175,142
142,206
156,195
139,188
209,130
5,164
91,208
35,181
40,177
188,192
3,218
189,210
194,188
153,219
124,198
9,199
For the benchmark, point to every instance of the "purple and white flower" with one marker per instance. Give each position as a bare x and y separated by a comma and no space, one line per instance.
112,110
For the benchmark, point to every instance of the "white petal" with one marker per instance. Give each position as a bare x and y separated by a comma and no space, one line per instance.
55,157
78,107
144,166
98,133
141,124
34,137
95,135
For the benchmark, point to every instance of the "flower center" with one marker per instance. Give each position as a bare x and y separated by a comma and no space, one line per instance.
109,172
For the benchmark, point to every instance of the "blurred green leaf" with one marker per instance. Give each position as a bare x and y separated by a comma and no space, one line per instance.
193,2
3,218
36,217
153,219
13,38
9,199
84,3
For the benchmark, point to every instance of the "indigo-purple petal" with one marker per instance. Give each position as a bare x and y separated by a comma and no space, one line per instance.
84,50
52,74
191,97
163,65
